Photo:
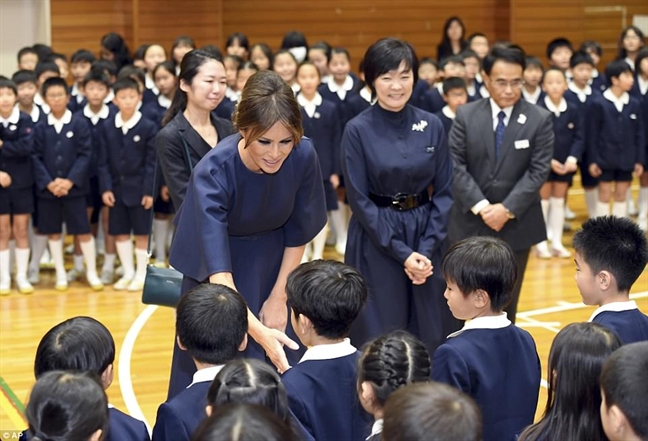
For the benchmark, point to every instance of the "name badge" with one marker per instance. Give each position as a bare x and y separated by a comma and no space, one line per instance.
69,134
570,125
13,127
136,138
522,144
521,120
633,116
316,115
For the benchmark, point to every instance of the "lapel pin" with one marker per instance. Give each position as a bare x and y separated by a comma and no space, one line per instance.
522,118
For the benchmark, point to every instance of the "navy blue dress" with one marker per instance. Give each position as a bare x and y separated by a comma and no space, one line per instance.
235,220
386,153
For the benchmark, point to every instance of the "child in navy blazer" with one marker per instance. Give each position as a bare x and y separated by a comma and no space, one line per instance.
126,172
16,182
594,50
325,298
26,83
432,100
615,139
611,254
490,359
80,65
83,344
211,325
532,90
559,51
640,91
455,94
62,157
342,85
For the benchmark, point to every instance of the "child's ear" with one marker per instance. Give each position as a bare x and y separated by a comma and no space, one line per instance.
481,299
305,323
619,422
180,345
107,376
208,410
604,280
368,393
243,344
96,436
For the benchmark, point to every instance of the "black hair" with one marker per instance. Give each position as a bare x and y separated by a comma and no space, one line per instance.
235,58
211,323
54,82
134,73
213,51
431,411
624,384
574,398
339,51
591,45
243,422
553,69
446,46
110,67
189,67
533,62
614,244
150,46
642,55
507,53
115,43
240,38
454,83
168,65
308,63
43,51
452,59
386,55
622,52
284,52
469,53
56,56
249,381
392,361
324,47
80,344
248,65
428,60
83,56
139,53
294,39
126,83
330,294
26,50
46,66
485,263
6,83
474,35
557,43
96,76
66,406
183,40
266,51
24,76
580,57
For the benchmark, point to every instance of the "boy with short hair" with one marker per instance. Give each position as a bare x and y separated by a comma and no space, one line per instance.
27,58
611,254
44,70
61,61
624,388
27,85
594,50
490,359
325,298
559,51
455,95
452,66
80,65
531,91
211,325
474,81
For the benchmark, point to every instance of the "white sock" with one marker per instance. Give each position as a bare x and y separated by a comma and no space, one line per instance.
620,209
39,243
109,262
319,242
591,197
602,208
629,199
340,222
5,278
12,260
78,263
160,234
56,250
22,262
308,251
125,252
544,203
556,221
89,251
643,202
142,260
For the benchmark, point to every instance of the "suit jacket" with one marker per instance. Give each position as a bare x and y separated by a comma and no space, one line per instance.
514,180
171,152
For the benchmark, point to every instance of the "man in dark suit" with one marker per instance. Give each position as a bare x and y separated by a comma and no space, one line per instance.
502,149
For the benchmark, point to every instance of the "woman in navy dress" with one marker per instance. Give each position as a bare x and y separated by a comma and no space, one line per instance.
399,172
251,206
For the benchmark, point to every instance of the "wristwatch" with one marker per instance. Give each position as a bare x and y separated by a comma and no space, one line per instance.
509,214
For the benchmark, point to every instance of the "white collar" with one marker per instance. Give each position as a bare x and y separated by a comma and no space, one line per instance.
316,101
35,112
13,118
532,97
295,88
643,85
447,111
595,73
495,109
552,108
326,78
164,101
150,84
38,99
488,322
110,97
618,102
366,94
230,93
126,126
615,307
65,119
630,62
329,352
346,86
483,91
376,429
479,78
206,374
439,88
580,92
95,117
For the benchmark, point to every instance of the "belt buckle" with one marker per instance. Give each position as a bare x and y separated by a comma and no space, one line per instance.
401,201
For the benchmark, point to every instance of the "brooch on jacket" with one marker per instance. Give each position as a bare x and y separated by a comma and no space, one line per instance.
419,127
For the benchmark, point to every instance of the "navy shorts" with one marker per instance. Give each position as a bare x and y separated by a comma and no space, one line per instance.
16,201
615,176
554,177
587,180
126,220
93,200
159,206
54,212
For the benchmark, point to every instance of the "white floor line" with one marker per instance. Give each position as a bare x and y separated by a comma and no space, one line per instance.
544,383
124,369
538,324
566,306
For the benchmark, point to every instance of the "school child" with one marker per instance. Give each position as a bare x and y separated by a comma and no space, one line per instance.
115,49
428,71
211,325
624,387
261,55
62,157
84,345
594,50
490,359
110,69
388,363
81,63
616,140
478,43
611,254
321,387
475,87
575,361
67,406
232,64
16,182
640,91
640,87
532,91
363,99
455,95
126,169
342,85
285,64
62,63
431,411
181,45
321,124
154,54
452,66
559,52
27,87
244,72
137,74
631,41
569,143
320,54
27,58
43,71
295,43
238,44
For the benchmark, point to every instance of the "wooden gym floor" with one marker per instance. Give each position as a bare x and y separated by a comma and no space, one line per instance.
144,335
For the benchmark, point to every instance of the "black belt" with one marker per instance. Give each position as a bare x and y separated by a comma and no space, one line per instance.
400,201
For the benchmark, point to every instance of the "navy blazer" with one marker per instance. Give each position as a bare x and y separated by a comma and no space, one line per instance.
344,110
357,105
569,132
325,131
631,326
95,137
600,83
432,100
447,122
154,112
500,370
62,155
178,418
127,162
17,148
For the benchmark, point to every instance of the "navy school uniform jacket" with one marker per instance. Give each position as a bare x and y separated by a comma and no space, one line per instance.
446,120
17,148
62,155
38,115
77,101
95,122
569,130
325,131
573,96
418,92
225,109
343,105
500,369
358,103
599,82
615,140
178,418
127,162
625,319
432,100
636,90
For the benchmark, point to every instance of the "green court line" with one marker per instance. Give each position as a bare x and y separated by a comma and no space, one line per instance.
12,396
